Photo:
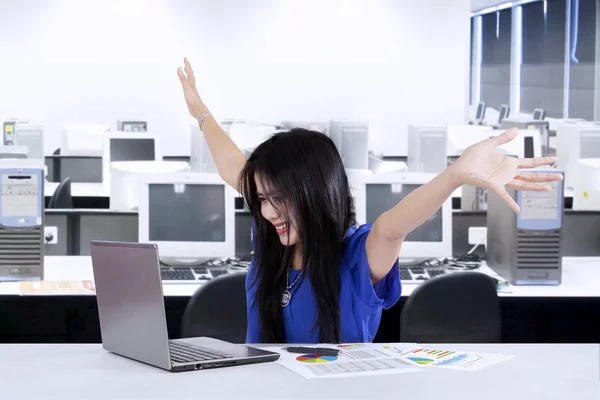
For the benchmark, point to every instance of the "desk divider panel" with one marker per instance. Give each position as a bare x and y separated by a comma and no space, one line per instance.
76,228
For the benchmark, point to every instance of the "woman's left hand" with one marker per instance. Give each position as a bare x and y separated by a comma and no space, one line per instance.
483,165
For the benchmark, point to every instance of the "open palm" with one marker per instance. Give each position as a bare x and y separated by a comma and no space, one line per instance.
483,165
188,82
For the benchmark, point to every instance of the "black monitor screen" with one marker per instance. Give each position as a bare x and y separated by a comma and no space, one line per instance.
480,111
503,114
125,149
528,144
382,197
186,213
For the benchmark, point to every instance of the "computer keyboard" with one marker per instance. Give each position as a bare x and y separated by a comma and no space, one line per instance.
177,274
417,275
192,274
183,352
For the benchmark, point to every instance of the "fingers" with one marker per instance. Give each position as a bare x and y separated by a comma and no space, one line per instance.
501,191
538,176
181,76
528,186
504,137
537,161
188,70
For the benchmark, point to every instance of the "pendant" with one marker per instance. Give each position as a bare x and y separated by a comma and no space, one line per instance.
285,298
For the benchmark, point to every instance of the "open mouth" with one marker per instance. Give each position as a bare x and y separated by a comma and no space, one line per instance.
282,229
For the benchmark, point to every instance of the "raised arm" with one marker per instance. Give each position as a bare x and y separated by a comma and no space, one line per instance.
228,157
480,165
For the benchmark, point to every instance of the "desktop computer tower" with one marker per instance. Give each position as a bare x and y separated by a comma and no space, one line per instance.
201,159
21,223
526,248
473,198
24,134
352,142
427,149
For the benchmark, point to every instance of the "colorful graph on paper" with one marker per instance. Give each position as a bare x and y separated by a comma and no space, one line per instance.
472,361
316,358
466,361
428,356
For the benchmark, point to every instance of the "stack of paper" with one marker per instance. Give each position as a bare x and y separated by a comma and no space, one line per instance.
463,360
354,360
362,359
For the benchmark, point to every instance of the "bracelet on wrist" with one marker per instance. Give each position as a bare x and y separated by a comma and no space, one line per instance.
203,117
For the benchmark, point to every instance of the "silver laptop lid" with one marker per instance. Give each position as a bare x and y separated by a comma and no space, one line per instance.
130,301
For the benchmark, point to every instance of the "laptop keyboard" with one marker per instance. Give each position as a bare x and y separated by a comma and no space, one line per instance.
184,353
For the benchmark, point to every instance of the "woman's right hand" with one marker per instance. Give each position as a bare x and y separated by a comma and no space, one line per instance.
195,105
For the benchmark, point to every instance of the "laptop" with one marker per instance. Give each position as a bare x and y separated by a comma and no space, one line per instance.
132,314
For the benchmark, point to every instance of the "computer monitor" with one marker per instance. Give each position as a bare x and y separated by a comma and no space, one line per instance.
427,149
82,139
356,178
125,178
201,159
128,146
189,216
542,126
539,114
504,113
382,192
587,194
575,141
527,144
352,142
480,114
532,143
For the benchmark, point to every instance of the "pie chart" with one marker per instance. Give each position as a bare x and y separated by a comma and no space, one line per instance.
316,358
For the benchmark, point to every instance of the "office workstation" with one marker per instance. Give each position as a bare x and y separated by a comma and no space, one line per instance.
125,252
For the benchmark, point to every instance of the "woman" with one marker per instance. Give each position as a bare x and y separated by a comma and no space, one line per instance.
315,276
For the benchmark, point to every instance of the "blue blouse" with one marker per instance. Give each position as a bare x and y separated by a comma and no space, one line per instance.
361,302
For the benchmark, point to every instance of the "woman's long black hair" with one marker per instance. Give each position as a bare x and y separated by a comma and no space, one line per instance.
305,171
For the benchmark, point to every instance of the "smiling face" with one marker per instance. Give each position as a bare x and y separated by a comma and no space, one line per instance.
284,225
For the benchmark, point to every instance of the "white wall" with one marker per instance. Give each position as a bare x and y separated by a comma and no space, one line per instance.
391,62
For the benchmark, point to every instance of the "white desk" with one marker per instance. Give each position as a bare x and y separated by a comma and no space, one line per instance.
581,278
86,371
84,189
79,189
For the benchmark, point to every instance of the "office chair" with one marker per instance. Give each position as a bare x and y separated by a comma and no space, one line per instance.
61,198
461,307
218,310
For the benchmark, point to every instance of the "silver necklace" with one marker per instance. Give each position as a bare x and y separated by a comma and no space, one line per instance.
287,296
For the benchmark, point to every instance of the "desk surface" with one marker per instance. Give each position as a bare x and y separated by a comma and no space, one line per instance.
87,371
581,278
